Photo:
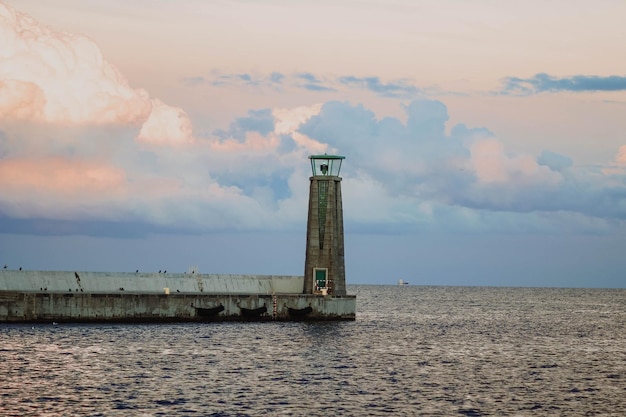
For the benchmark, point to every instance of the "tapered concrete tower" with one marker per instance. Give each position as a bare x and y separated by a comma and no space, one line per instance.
324,267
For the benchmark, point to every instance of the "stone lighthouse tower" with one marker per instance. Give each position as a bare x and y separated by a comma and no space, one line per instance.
324,266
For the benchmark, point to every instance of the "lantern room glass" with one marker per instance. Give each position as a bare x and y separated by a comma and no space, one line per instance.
326,165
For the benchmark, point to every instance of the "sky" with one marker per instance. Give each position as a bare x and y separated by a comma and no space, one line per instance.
485,141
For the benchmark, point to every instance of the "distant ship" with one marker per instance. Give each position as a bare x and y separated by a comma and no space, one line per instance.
401,282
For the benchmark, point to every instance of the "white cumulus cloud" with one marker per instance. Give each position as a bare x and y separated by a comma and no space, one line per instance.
62,78
78,143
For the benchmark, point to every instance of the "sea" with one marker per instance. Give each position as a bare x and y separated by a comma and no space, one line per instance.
412,351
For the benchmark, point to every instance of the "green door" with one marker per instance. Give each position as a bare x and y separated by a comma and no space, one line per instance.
320,277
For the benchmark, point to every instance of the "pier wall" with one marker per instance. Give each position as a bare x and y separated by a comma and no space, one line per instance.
148,283
52,296
19,307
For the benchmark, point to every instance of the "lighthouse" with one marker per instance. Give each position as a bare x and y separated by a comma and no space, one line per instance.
324,266
83,296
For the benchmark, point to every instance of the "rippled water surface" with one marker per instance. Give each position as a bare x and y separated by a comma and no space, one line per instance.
433,351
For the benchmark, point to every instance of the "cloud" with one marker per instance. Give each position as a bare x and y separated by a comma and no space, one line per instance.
400,88
618,166
307,76
104,153
491,165
277,77
21,100
311,82
166,125
397,177
260,121
621,155
194,81
61,188
316,87
578,83
79,144
467,174
554,161
217,78
62,78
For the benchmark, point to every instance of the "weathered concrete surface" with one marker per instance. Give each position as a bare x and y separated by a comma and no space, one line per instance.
325,236
20,307
51,296
147,283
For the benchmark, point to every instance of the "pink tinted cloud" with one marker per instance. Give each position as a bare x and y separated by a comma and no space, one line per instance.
166,125
62,78
492,165
21,100
78,84
621,155
618,167
488,161
36,187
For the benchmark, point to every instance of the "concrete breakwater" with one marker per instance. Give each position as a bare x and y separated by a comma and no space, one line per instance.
45,296
31,296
